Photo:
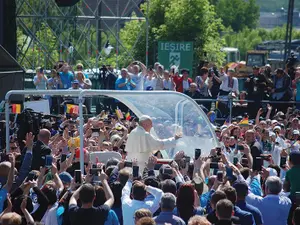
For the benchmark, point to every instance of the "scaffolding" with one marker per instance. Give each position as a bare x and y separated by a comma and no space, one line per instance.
76,33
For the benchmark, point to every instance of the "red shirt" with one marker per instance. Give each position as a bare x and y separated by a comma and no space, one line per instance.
178,81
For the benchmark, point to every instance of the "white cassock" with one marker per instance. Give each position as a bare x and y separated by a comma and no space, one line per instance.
140,145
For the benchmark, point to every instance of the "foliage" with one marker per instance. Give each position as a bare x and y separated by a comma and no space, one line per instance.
179,20
238,14
249,39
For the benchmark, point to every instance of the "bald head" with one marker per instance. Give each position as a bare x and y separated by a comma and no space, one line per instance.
44,136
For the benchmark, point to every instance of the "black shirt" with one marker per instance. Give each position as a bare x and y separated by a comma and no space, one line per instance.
91,216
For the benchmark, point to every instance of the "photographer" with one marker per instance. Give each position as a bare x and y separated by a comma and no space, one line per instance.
255,85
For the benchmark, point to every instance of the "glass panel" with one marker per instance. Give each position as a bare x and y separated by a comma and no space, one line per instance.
170,111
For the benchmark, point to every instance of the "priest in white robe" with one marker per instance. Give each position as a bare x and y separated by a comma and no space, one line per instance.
141,143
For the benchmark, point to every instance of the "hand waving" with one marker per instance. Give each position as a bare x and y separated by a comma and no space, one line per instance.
29,140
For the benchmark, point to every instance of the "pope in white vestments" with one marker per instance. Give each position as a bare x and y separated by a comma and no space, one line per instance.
141,143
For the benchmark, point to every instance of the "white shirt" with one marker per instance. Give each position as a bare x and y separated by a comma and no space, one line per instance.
150,83
140,145
168,84
224,85
185,85
129,206
50,217
138,80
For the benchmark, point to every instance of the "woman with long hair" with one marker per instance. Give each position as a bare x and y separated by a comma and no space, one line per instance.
185,202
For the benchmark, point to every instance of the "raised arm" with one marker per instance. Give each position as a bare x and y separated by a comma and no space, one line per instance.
108,193
11,173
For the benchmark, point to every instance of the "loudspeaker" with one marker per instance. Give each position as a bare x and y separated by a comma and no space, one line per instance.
8,27
66,3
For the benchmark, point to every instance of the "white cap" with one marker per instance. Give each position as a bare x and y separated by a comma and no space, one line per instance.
277,127
223,127
296,132
274,121
144,118
267,65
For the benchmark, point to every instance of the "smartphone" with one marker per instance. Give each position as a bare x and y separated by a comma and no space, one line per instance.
197,153
168,171
157,166
78,176
235,161
229,173
213,165
220,176
282,162
135,171
63,158
48,161
219,151
187,159
128,164
31,176
257,164
95,171
240,148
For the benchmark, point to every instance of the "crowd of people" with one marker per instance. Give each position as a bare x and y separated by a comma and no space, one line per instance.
249,178
210,83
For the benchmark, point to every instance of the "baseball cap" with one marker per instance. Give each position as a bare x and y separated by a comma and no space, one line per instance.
267,65
296,132
277,128
65,177
75,82
231,70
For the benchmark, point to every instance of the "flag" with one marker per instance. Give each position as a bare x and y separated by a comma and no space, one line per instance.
119,114
72,109
227,122
107,48
127,116
16,108
244,121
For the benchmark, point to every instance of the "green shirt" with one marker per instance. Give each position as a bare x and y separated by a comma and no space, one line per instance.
292,176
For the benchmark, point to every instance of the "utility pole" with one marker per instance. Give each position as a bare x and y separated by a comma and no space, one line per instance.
289,29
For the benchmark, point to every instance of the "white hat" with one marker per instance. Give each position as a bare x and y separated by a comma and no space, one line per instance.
267,65
277,127
223,127
272,172
272,134
144,118
296,132
274,121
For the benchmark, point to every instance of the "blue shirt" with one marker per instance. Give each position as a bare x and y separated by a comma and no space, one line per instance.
121,81
255,186
3,196
168,217
246,218
274,208
119,214
204,199
112,218
197,211
251,209
66,79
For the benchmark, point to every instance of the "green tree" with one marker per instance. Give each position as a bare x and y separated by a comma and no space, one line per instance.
238,14
248,39
179,20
